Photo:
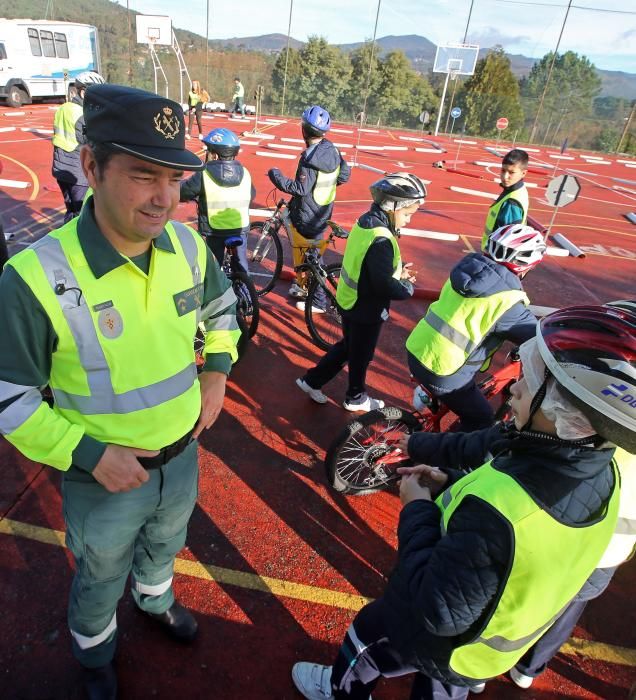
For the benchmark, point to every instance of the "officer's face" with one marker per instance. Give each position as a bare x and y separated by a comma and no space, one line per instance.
511,174
134,199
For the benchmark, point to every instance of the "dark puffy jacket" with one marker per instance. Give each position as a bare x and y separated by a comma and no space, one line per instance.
376,285
444,589
477,275
307,216
67,166
225,173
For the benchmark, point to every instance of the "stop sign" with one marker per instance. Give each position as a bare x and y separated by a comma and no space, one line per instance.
502,123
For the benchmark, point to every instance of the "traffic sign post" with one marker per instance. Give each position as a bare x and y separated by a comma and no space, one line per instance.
560,192
425,118
502,123
455,112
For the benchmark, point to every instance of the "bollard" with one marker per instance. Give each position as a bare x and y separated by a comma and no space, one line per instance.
568,245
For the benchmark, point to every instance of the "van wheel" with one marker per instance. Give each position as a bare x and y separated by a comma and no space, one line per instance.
16,97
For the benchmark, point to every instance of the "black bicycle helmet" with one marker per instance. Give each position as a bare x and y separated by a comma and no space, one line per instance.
398,190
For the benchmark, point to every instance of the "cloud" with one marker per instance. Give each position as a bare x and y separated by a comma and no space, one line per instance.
490,36
628,35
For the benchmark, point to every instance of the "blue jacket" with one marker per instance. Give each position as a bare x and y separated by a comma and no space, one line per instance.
308,217
67,166
444,588
225,173
477,275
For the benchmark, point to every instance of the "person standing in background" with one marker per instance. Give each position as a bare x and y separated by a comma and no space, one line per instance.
238,98
197,97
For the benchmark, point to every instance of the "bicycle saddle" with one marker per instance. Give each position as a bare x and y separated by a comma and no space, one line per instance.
233,241
338,231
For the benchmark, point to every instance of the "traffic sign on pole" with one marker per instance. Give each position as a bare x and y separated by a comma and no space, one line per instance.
502,123
456,112
562,190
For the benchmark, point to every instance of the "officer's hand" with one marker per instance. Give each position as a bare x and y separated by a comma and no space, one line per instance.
212,395
431,478
119,470
412,490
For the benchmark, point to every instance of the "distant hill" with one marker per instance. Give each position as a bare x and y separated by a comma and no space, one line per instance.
421,52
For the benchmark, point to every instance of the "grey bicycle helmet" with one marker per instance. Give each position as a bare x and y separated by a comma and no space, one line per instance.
398,190
88,77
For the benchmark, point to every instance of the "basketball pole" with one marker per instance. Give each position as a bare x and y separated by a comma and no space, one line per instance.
441,104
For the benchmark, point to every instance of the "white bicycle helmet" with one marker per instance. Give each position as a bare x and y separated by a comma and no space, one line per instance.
88,77
516,246
398,190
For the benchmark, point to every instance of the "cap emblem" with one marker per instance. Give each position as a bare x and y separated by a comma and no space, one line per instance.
167,123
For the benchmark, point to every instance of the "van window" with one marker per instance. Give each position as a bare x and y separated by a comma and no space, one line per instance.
3,52
48,48
34,41
61,46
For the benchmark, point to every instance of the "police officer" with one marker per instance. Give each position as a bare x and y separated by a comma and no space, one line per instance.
68,137
320,170
511,207
76,309
223,192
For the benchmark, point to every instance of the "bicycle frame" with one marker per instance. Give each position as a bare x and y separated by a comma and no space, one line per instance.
430,418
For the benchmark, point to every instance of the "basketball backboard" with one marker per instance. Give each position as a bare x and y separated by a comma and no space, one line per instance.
456,59
154,29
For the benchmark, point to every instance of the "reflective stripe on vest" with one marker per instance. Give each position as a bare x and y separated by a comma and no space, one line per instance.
520,195
64,122
455,326
228,207
324,191
124,340
550,563
358,243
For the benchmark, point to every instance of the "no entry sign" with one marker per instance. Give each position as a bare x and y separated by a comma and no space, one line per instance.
502,123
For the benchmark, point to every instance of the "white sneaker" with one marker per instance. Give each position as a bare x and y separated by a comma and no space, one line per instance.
477,689
297,291
200,137
187,135
520,679
312,680
316,309
314,394
365,405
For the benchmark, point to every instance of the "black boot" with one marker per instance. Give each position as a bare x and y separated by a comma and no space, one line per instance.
178,622
100,683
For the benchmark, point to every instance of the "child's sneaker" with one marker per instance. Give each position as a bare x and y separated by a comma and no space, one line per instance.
477,689
297,291
520,679
364,403
314,394
312,680
316,309
187,134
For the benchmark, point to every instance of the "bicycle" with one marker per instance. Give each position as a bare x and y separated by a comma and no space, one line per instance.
364,457
247,304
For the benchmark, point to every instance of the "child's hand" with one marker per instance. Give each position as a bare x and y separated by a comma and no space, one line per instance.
407,273
431,477
412,490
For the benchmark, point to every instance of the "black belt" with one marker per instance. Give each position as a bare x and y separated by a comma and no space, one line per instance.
167,453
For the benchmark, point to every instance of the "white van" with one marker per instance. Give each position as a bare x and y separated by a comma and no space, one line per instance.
38,58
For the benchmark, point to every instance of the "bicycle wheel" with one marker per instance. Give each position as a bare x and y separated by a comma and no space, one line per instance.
360,460
264,255
247,304
325,327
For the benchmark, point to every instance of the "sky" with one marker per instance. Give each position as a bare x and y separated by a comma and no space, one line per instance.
602,30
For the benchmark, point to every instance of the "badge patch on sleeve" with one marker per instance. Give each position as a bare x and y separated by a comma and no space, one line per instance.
189,299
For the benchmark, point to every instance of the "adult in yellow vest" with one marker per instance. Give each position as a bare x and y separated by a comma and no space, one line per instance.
372,276
76,308
68,138
488,566
511,207
480,305
320,170
197,97
223,192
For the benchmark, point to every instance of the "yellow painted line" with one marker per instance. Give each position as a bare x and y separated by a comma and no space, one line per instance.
596,651
33,176
470,247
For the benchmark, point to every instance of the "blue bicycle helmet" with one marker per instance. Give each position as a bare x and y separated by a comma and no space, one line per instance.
316,120
223,142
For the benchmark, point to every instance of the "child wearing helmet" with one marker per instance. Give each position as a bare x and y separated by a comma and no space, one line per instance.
223,193
489,565
511,207
481,305
68,138
320,170
372,276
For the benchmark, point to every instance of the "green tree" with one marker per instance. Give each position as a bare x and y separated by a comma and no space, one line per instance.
365,67
290,63
490,93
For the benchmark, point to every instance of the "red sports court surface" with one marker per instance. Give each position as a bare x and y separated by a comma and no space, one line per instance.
276,563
